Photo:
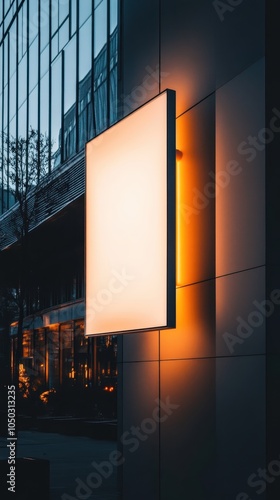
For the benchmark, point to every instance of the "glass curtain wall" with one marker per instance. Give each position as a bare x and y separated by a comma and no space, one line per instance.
58,76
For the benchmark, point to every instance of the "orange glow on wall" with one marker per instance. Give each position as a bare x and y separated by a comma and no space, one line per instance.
194,209
130,222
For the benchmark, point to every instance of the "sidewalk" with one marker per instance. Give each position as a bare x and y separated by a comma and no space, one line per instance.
70,458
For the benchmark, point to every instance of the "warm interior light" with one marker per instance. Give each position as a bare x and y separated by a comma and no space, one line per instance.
130,237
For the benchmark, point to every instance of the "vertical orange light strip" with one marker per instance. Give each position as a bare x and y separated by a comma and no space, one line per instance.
178,218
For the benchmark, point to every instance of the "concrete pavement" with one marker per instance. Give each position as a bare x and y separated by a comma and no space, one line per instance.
72,475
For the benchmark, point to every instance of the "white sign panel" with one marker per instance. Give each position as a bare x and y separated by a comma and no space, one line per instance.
130,222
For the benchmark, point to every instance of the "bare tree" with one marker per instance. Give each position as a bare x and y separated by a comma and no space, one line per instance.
26,164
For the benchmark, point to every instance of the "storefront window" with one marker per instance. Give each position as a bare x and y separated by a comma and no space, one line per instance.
53,357
39,358
81,355
67,353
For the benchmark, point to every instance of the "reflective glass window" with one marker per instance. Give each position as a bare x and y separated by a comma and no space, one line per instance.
85,54
13,48
40,357
13,96
81,355
63,10
56,109
22,27
22,120
33,64
5,107
8,19
33,109
22,78
53,358
54,46
44,104
1,65
113,15
12,127
54,16
44,24
33,20
85,86
70,74
84,10
100,65
73,16
67,353
6,6
6,76
45,60
27,345
100,26
70,98
63,36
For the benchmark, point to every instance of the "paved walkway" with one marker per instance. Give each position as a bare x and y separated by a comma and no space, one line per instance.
70,458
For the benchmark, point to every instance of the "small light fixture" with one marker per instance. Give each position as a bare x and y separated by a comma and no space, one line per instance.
179,155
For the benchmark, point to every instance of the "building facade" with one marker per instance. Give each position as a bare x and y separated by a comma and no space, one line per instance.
198,405
59,78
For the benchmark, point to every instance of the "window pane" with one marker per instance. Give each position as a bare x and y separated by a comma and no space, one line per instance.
54,15
84,10
56,109
13,48
113,15
85,56
22,120
54,46
33,109
5,110
113,96
33,64
85,78
73,16
39,357
44,105
70,74
1,71
53,358
22,78
33,20
67,353
100,27
63,35
45,60
63,10
13,96
13,129
81,355
6,61
70,99
44,23
23,41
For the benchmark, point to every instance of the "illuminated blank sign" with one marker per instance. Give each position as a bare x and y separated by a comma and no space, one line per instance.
130,222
